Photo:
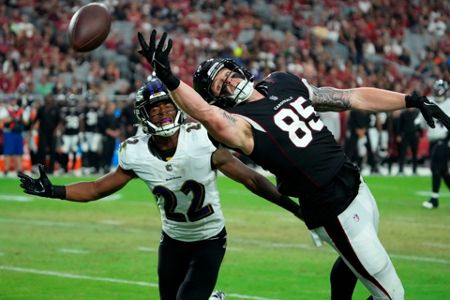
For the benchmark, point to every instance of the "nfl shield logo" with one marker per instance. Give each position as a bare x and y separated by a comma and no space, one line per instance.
169,167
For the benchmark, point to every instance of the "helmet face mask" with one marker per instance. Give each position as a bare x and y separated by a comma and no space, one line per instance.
208,70
150,94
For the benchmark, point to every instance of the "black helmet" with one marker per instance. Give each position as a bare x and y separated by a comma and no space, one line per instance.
440,88
205,74
152,92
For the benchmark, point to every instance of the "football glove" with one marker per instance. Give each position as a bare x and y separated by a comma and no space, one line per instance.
428,109
41,186
158,57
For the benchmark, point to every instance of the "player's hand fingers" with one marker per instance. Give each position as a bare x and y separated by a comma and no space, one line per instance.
143,44
152,41
22,175
168,48
42,173
161,43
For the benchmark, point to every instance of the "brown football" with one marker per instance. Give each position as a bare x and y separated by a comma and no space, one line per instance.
89,27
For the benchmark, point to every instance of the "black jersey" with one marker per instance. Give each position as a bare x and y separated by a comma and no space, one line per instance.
71,116
292,143
92,119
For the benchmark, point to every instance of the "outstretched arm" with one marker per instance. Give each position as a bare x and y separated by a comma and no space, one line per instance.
77,192
223,126
255,182
364,98
377,100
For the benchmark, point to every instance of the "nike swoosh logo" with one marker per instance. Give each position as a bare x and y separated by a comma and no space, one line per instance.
42,186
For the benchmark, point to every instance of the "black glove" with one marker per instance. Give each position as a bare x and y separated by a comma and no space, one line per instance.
428,109
158,57
41,186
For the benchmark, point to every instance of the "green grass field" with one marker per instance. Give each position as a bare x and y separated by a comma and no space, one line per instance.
52,249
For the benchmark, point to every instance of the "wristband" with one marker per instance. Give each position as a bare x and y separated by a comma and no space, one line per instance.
410,101
171,82
59,191
415,100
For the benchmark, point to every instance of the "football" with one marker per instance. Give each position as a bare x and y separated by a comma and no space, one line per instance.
89,27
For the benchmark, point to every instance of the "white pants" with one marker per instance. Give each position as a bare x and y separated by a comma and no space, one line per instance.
354,236
91,142
70,143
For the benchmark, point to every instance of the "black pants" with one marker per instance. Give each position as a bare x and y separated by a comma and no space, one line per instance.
189,270
439,165
47,145
109,145
411,141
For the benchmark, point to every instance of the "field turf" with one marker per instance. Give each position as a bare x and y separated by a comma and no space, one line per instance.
107,250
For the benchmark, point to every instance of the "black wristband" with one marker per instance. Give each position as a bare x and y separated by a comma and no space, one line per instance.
410,101
59,191
171,82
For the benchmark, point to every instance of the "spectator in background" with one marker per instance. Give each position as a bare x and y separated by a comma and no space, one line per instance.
128,118
71,127
111,132
91,136
13,136
356,142
408,138
3,117
47,119
439,145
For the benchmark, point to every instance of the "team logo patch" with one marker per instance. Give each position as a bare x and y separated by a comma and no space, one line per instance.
169,167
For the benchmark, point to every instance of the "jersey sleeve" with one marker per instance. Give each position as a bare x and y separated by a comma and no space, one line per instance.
277,82
125,154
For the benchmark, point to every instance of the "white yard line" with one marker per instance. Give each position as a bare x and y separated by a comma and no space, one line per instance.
73,251
18,198
111,222
111,280
147,249
428,194
421,259
75,276
437,245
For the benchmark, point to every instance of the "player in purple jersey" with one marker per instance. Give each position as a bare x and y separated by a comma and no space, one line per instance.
276,125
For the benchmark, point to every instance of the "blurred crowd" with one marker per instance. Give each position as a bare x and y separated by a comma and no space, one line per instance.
393,44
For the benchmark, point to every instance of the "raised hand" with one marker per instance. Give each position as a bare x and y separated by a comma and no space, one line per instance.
158,57
428,109
40,186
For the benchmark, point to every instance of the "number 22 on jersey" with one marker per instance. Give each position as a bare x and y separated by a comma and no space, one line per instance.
297,122
196,210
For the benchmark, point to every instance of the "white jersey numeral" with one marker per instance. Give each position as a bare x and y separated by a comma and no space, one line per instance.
295,122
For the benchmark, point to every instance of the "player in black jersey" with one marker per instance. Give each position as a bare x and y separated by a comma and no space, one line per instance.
91,137
276,125
71,132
